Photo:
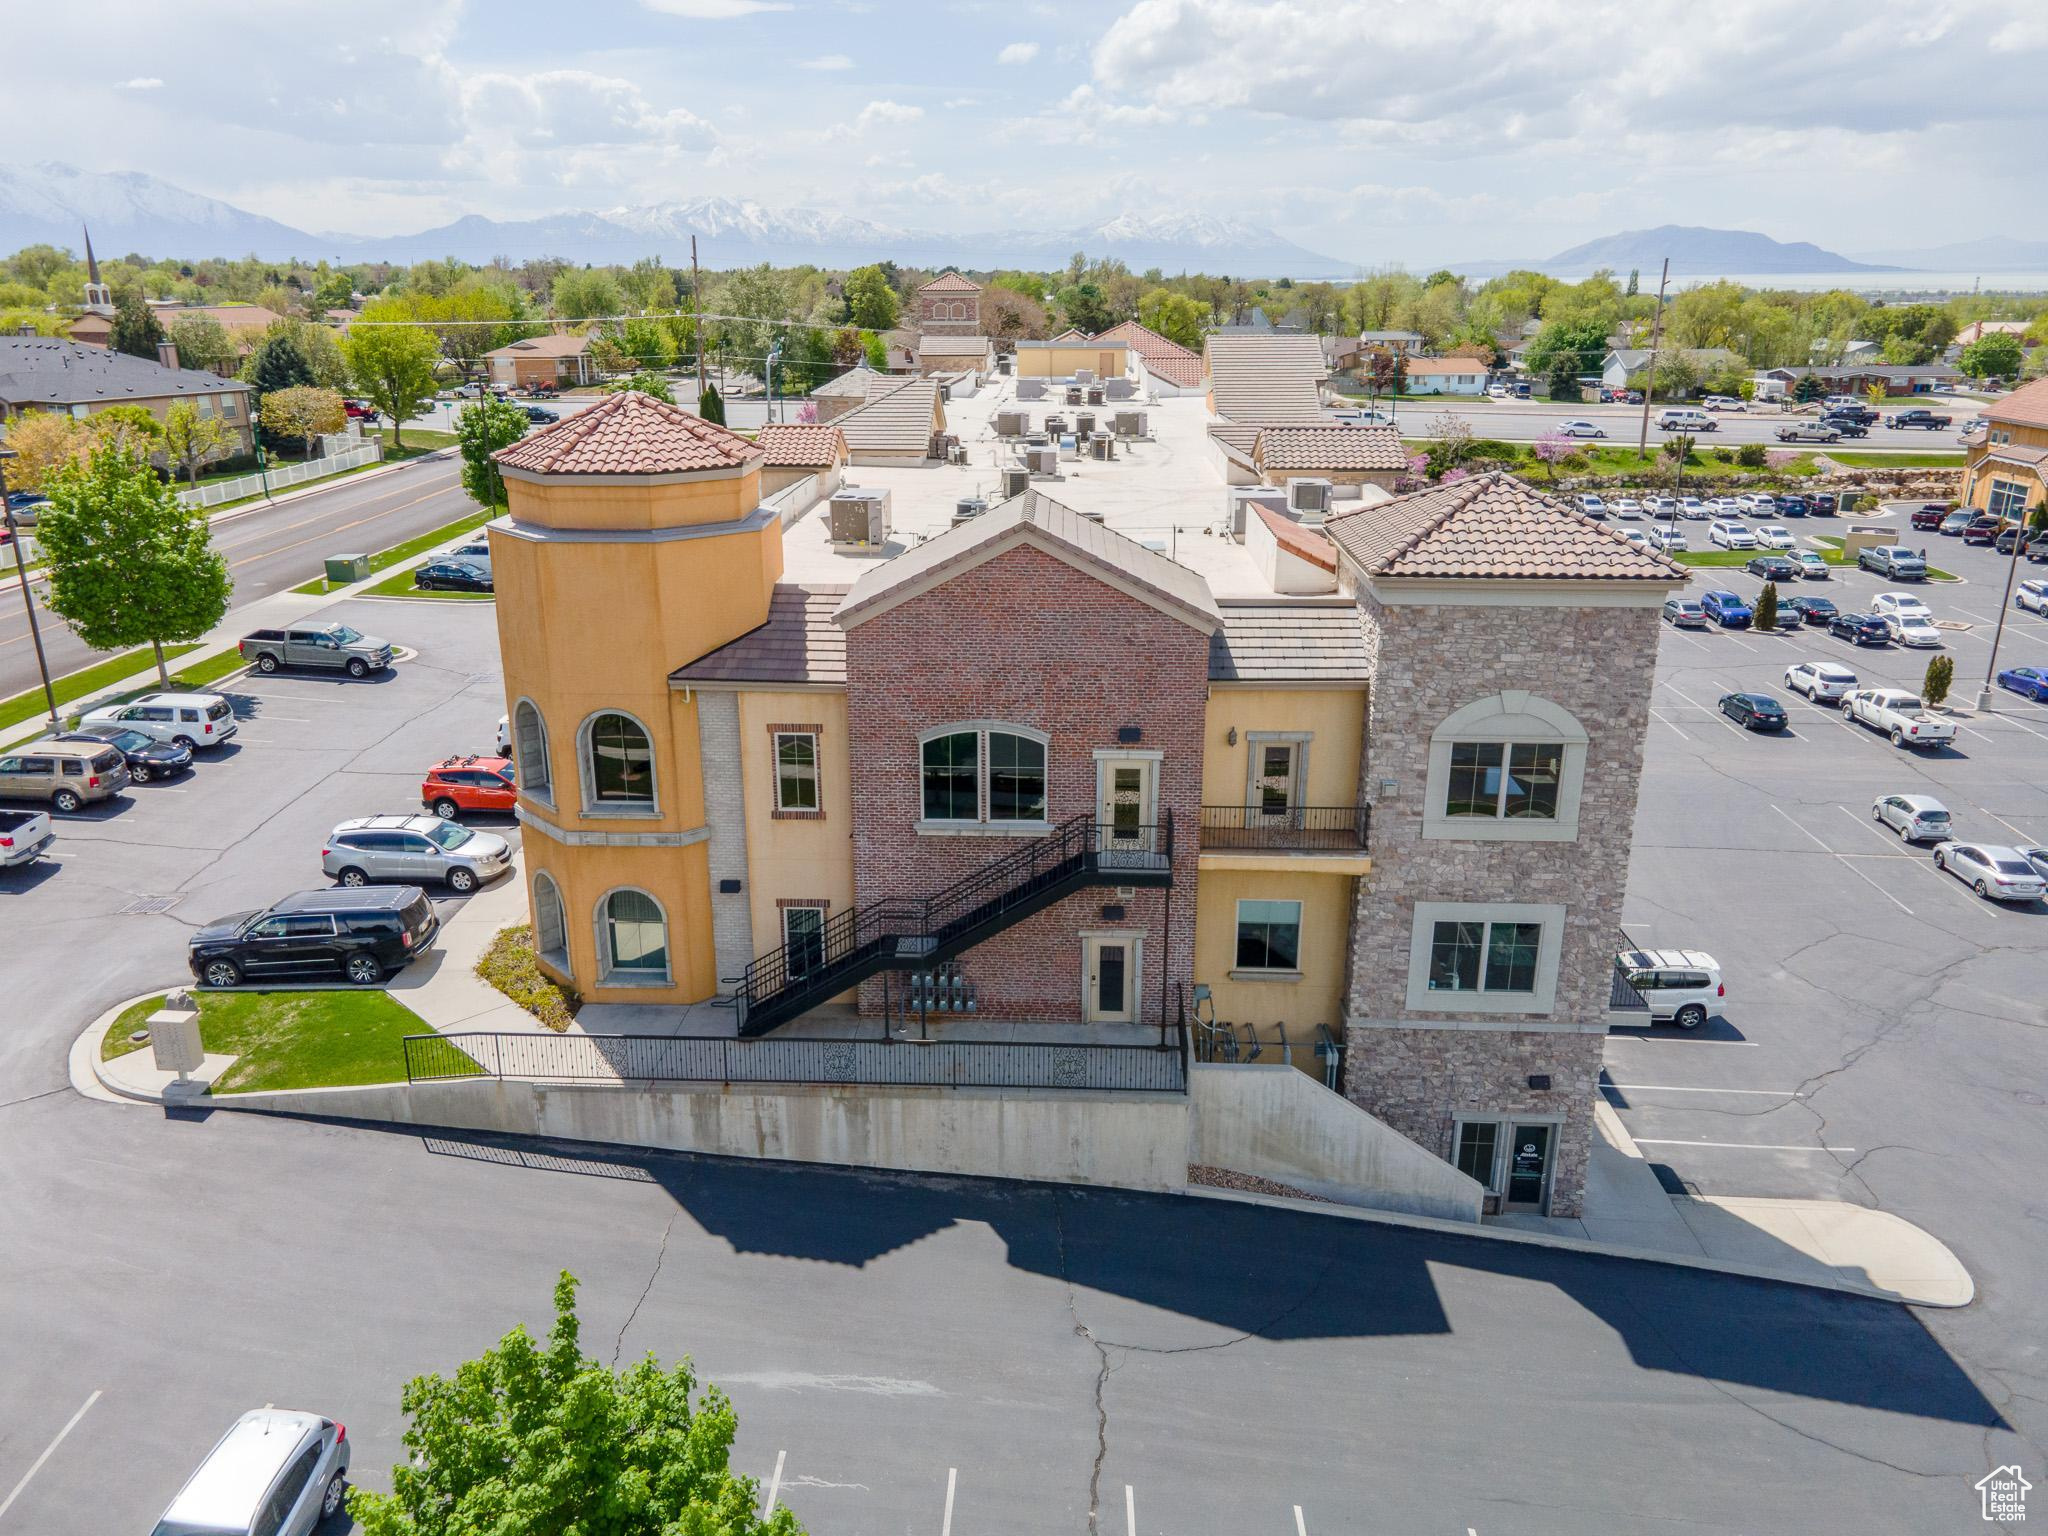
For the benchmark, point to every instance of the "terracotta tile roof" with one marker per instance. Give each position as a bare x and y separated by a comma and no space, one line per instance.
2017,453
1491,526
1355,448
2026,406
798,644
952,346
1315,640
557,344
1304,543
629,434
900,417
802,445
1266,379
1169,359
950,282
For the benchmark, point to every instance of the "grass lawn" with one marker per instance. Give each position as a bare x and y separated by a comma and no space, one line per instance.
79,685
1741,557
418,440
291,1039
1859,460
386,558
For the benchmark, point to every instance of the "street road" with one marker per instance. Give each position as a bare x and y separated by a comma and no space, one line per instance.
269,549
1525,421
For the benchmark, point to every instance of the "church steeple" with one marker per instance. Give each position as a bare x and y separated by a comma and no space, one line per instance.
99,298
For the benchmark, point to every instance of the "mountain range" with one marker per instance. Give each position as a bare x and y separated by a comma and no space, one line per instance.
1694,252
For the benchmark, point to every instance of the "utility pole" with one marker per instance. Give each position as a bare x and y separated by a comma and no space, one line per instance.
2012,567
28,600
1650,383
697,315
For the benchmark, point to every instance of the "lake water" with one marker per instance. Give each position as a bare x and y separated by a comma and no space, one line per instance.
1871,282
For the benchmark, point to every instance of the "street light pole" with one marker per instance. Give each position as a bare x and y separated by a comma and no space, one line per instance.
1650,382
28,601
2012,567
256,437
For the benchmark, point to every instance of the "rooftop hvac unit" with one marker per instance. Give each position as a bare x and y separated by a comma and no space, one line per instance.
1031,389
1241,499
1012,423
1130,423
1095,394
1102,446
1084,423
1055,426
967,508
860,517
1073,395
1042,461
1308,499
1016,480
1003,363
1084,376
1118,389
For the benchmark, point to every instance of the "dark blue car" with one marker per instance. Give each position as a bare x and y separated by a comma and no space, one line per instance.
451,576
2031,681
1727,610
1793,505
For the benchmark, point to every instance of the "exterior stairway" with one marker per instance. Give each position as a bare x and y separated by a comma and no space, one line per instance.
915,934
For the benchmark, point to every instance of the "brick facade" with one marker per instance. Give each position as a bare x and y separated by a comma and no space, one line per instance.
1029,639
949,311
1434,660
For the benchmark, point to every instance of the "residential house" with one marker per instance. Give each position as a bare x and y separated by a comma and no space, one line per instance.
553,361
793,451
1857,378
951,354
949,305
1065,355
1164,367
1258,323
2007,472
1977,330
1407,343
901,423
1445,376
737,785
1623,367
42,373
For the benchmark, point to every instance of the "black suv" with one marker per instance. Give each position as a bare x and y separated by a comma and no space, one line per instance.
1860,628
362,935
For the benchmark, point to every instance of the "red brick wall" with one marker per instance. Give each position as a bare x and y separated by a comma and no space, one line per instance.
1027,638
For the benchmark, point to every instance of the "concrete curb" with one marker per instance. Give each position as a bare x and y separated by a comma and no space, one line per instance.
93,1083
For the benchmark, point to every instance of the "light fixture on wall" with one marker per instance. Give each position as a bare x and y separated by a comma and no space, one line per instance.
1230,736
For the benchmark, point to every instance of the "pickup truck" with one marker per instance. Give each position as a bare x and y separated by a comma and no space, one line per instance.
23,837
1809,432
326,647
1892,561
1899,715
1920,417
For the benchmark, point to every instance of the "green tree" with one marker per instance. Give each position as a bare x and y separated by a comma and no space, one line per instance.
1807,387
1564,379
128,564
277,364
335,291
191,439
136,330
1083,306
870,300
876,351
1767,607
584,294
711,405
131,428
1994,355
1448,445
1577,344
304,412
203,343
1941,676
1174,316
544,1440
648,344
644,383
480,431
393,367
43,443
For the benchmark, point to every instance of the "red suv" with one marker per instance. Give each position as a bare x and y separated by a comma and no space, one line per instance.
470,784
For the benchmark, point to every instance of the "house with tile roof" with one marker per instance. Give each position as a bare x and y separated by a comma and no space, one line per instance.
794,451
955,353
1342,454
2007,471
900,422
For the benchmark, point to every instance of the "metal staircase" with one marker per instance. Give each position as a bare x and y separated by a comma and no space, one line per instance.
916,934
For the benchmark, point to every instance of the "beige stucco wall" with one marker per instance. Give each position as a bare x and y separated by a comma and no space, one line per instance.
1318,996
795,858
1105,360
1335,717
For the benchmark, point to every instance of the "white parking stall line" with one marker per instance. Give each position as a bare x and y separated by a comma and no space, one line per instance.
48,1451
1301,1526
774,1486
1744,1146
1689,699
1659,716
952,1473
2008,719
1766,1093
1679,634
1876,829
1969,731
2023,837
1130,1511
1824,848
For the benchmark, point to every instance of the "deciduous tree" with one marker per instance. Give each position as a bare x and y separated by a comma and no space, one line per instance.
1994,355
304,412
44,443
870,300
481,430
393,367
1174,316
203,343
191,440
644,383
585,293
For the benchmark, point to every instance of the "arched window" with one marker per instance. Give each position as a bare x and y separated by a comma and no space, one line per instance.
550,933
530,748
984,772
618,764
1507,768
632,940
952,771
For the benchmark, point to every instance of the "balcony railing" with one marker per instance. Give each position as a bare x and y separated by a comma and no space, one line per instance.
1297,829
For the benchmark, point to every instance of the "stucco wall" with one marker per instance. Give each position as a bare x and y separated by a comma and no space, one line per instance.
1334,718
1317,997
795,857
1059,362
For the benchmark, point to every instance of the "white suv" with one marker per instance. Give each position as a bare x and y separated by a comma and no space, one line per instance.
1730,535
1680,985
187,720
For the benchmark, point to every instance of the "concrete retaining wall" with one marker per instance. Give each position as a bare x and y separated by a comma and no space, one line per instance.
1136,1141
1281,1123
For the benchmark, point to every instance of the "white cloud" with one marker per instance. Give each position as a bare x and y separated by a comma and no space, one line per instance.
826,61
141,83
875,114
714,10
574,109
1017,53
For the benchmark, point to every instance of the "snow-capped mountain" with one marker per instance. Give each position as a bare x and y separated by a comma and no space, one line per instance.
130,212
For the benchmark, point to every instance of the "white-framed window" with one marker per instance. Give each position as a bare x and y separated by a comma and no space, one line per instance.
550,932
632,940
617,754
227,407
796,771
983,773
1470,957
530,749
1506,768
2008,499
1268,938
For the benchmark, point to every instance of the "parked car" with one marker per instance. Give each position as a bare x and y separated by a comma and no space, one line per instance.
1754,711
1757,503
1822,503
327,647
2031,597
362,936
471,783
1773,568
1792,504
1885,604
2029,681
147,758
2038,857
1849,410
1860,628
1684,613
1911,629
541,415
1912,816
1696,511
70,775
504,736
1626,507
1808,432
1812,567
451,576
1774,536
1723,403
2011,533
359,410
473,550
414,849
25,836
1592,505
1680,985
1955,522
1636,538
1824,682
1579,429
1727,610
1670,541
1816,611
1730,535
1928,519
1889,560
1921,417
1992,870
1984,530
188,720
275,1473
1900,715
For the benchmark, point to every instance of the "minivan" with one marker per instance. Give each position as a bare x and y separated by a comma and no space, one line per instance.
179,719
68,774
1681,986
1685,418
362,934
275,1472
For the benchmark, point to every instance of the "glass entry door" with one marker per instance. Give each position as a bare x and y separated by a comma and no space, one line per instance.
1273,782
1124,804
1528,1173
1111,979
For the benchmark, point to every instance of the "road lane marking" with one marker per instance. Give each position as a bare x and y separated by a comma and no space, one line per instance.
1658,715
1838,858
774,1486
1301,1526
1745,1146
48,1451
1130,1511
947,1528
1771,1093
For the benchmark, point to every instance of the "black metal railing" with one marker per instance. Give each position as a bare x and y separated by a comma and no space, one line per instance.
1622,997
1296,829
632,1059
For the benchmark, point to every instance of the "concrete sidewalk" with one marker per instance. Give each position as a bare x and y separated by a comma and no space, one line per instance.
444,989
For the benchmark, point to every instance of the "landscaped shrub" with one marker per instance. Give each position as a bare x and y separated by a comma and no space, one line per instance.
1751,456
511,966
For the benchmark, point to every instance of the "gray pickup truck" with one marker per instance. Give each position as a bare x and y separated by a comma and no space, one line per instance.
329,647
23,837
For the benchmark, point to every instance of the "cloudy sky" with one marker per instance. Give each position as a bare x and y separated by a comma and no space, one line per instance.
1371,130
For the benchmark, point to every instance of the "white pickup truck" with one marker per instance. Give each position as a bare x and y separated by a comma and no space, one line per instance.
23,837
1900,715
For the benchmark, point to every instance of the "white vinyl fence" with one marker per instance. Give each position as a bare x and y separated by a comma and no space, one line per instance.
280,476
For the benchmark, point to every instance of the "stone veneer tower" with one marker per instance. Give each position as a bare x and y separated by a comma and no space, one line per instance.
1512,630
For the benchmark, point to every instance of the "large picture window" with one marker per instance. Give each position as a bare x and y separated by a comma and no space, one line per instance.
1506,768
618,763
1016,777
989,775
796,771
530,747
2008,499
635,940
951,777
1484,957
1478,958
1504,780
1269,936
